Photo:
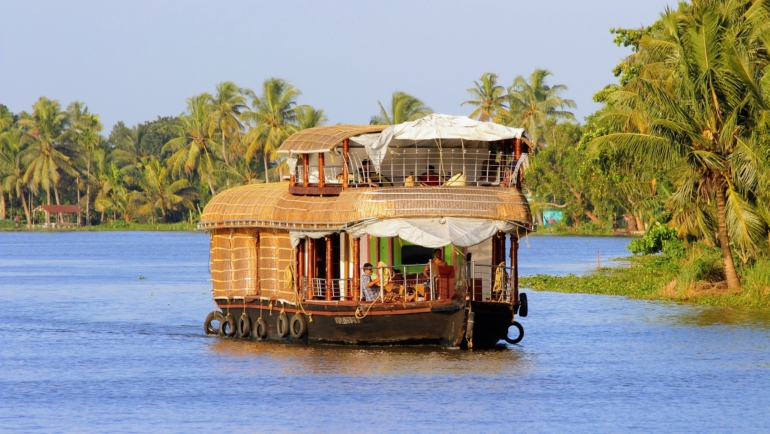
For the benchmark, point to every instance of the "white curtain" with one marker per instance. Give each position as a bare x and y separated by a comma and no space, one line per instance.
434,232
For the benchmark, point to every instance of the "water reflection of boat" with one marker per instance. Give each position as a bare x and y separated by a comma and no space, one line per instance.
287,258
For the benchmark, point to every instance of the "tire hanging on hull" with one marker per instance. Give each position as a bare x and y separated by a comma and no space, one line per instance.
283,325
227,326
244,326
260,329
215,315
298,326
518,338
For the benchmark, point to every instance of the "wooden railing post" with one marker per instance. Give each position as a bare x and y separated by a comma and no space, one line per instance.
345,149
321,177
356,269
329,267
305,167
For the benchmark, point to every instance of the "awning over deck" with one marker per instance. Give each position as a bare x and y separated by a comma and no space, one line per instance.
323,139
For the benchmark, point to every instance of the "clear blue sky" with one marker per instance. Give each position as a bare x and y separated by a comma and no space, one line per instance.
133,61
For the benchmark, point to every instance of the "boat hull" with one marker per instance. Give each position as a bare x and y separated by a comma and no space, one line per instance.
443,323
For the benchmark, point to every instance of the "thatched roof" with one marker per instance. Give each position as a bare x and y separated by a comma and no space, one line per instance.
322,139
272,206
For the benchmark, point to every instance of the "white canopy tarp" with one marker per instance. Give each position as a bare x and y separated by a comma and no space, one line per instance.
443,130
434,232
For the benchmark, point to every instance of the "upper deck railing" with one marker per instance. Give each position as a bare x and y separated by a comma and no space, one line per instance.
421,167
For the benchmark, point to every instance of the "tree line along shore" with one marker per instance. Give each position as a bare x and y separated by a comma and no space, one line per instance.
679,150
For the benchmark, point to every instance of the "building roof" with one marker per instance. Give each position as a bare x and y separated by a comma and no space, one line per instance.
58,208
322,139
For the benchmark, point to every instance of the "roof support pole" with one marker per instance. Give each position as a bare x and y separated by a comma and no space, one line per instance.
321,177
329,268
345,149
300,267
356,269
517,154
310,267
514,269
305,181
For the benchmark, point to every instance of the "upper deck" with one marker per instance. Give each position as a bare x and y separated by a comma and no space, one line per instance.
343,175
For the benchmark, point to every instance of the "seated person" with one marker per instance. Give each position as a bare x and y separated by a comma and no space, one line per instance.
367,175
437,261
429,178
370,288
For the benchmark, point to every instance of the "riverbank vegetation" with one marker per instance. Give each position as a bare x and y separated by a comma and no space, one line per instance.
681,142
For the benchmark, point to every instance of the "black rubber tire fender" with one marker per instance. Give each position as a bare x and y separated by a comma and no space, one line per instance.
523,305
283,325
298,326
260,329
519,338
227,326
244,326
215,315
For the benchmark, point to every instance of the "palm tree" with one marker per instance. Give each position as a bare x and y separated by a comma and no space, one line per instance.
6,118
194,150
44,157
84,128
272,118
160,192
701,84
403,108
488,97
309,117
12,169
533,103
225,109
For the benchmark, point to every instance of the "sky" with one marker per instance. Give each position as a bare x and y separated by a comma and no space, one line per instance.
132,61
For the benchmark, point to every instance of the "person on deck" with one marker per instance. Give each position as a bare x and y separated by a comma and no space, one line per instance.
368,175
370,288
429,178
437,261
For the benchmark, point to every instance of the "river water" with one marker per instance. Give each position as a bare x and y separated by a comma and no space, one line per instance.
87,345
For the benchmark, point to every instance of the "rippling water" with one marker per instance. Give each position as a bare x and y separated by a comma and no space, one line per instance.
86,346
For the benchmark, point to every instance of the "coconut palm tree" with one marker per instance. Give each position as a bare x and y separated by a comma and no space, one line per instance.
403,108
701,84
159,192
533,103
488,97
225,109
12,169
83,131
194,150
272,118
309,117
46,154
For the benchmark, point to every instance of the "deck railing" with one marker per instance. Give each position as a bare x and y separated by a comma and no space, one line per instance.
489,282
340,288
424,167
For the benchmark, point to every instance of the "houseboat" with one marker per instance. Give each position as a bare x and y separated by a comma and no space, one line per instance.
379,235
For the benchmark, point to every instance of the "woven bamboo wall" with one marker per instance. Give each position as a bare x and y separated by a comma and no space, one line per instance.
233,262
275,256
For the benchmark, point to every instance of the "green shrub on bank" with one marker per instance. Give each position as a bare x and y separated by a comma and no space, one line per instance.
658,239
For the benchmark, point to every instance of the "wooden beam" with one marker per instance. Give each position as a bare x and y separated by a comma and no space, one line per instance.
517,155
305,165
329,267
515,269
301,266
345,149
321,177
356,269
310,267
